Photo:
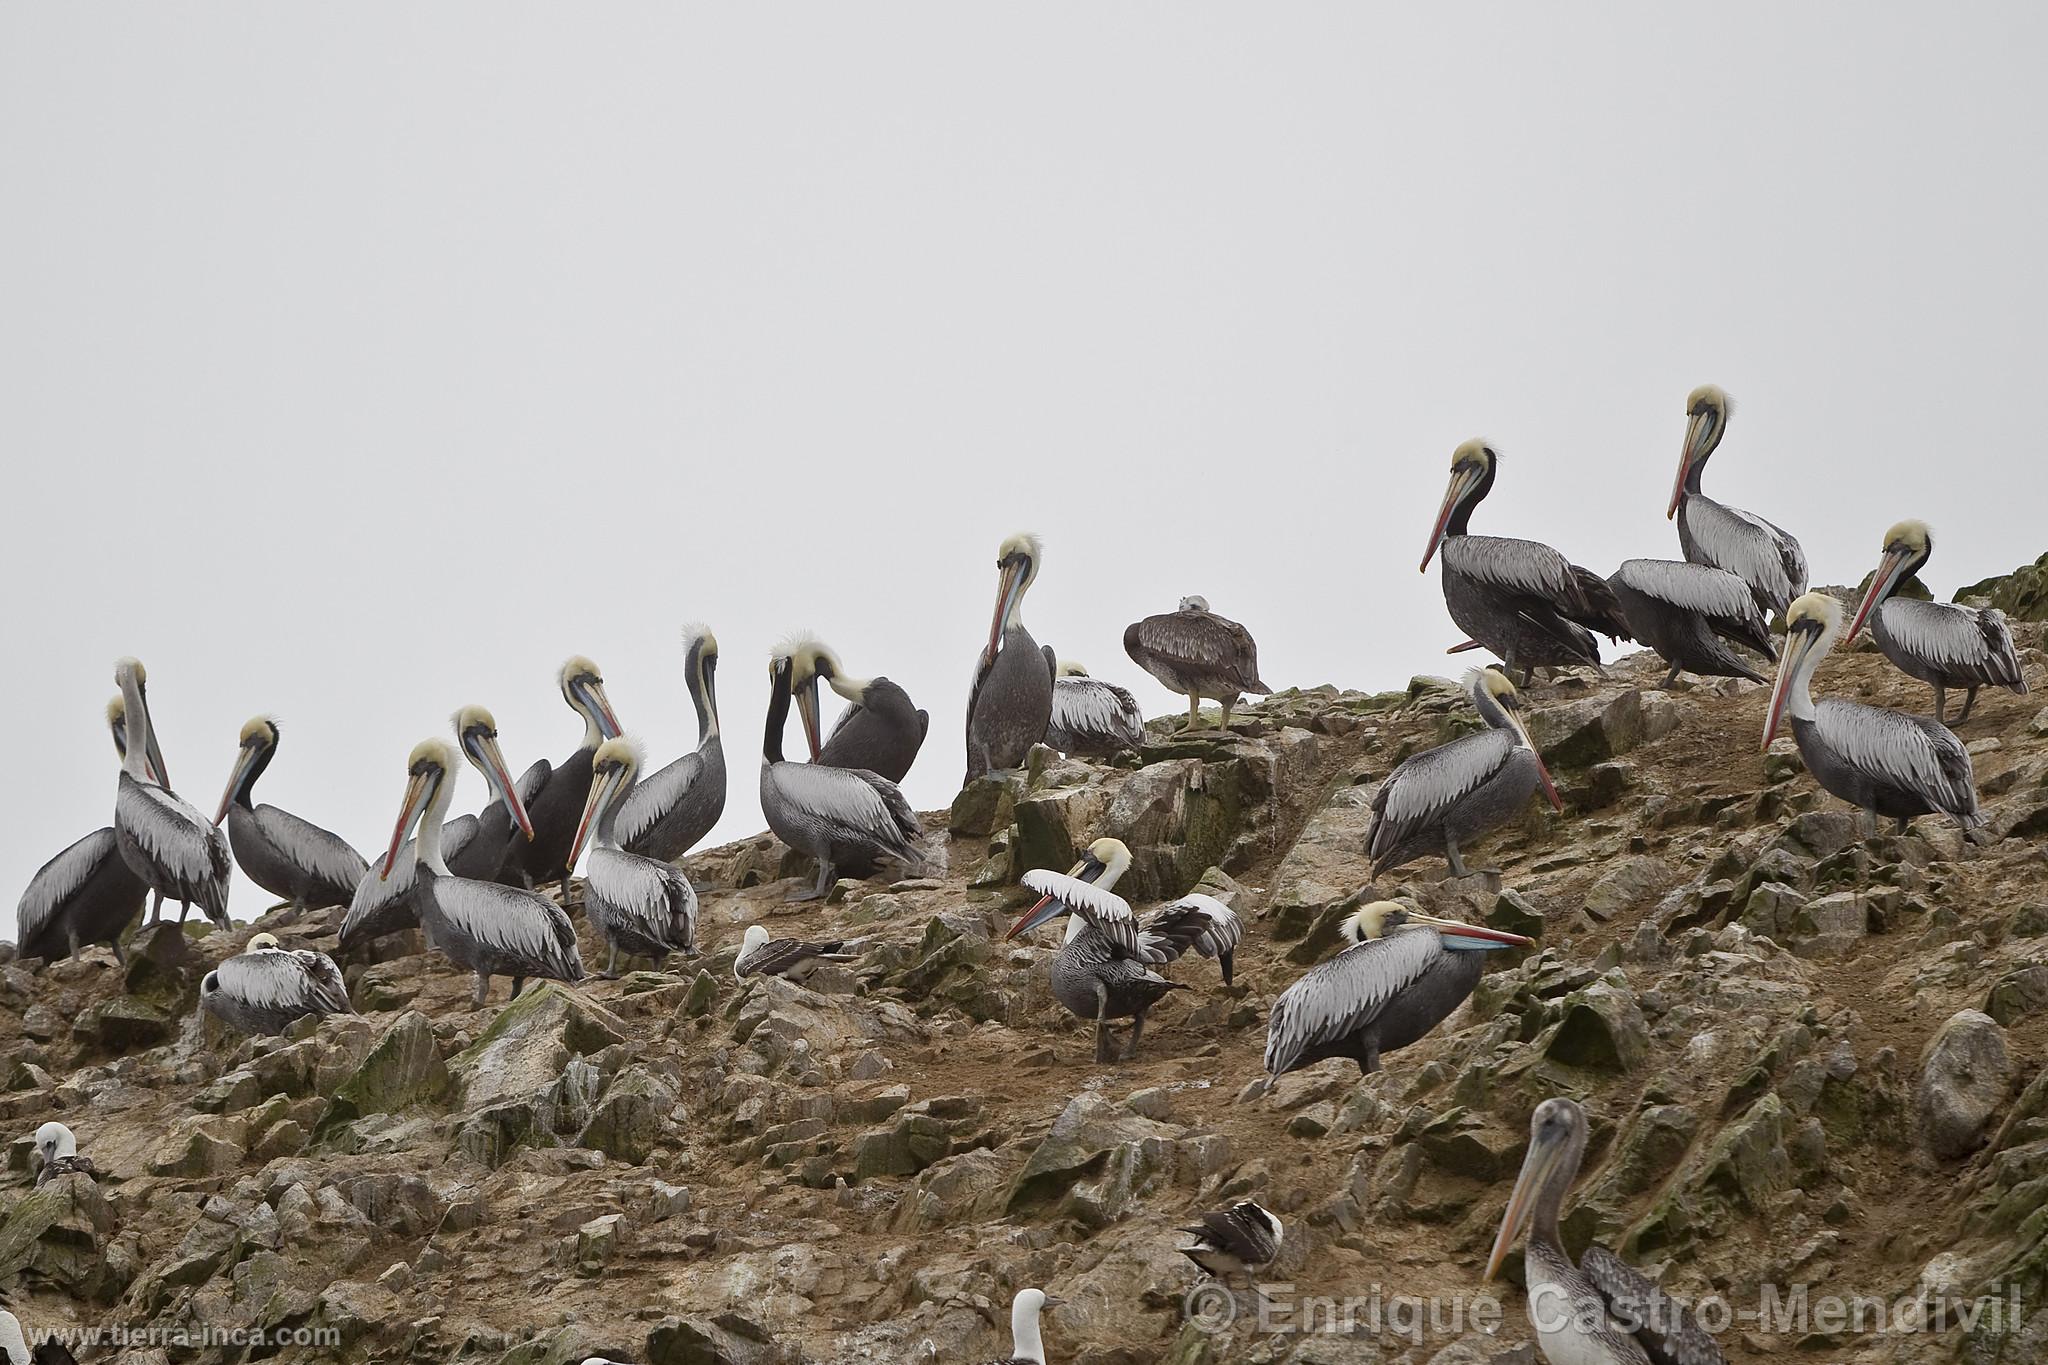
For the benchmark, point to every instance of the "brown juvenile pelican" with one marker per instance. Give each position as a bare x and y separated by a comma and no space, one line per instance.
880,730
1884,762
1090,716
1685,611
1601,1311
1943,643
86,894
1027,1347
555,794
644,906
1236,1240
1524,601
1447,796
293,859
57,1150
164,839
492,930
849,820
1104,969
1010,703
383,903
1709,532
784,957
666,814
1199,654
266,989
1403,975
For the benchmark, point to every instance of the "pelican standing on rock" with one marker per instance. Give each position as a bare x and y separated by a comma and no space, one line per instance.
57,1148
644,906
1886,763
557,793
1758,553
851,821
1027,1347
1438,800
1686,611
491,929
1199,654
665,815
266,989
86,894
1010,703
1579,1311
165,841
1522,600
1404,974
1943,643
293,859
881,729
1090,716
784,957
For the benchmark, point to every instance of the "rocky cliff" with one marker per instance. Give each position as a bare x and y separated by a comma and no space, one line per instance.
1810,1058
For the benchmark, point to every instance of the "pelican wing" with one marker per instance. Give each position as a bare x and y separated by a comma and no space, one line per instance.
1196,922
1723,601
1527,568
654,897
58,880
780,955
1746,545
852,802
1106,912
1240,1231
1910,751
1092,708
653,799
1335,999
1664,1327
1201,640
275,979
1421,788
324,854
173,833
516,923
1963,642
376,892
455,835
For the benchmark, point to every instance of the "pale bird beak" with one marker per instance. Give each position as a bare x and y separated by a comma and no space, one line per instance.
1542,768
807,707
600,794
1695,433
1460,929
606,721
152,755
1012,574
1461,482
243,758
1536,1168
1796,646
1889,570
501,778
415,802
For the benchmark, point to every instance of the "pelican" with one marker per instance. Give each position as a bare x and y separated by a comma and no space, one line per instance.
384,903
58,1151
86,894
1010,703
880,730
292,859
784,957
1709,532
1104,969
1238,1239
492,930
849,820
1404,973
1685,611
1027,1347
266,989
14,1345
1886,763
1199,654
1524,601
1943,643
639,904
1601,1311
665,815
164,839
1447,796
1090,716
558,792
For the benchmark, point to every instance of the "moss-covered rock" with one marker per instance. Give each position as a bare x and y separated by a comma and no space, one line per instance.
403,1071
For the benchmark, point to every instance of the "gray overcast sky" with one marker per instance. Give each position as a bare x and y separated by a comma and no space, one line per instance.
365,361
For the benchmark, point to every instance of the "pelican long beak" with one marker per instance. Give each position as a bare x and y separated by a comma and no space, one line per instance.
600,796
1542,768
601,708
1890,570
1458,935
500,777
1006,590
153,756
1695,437
1051,908
1462,480
1798,645
418,792
807,707
244,758
1536,1171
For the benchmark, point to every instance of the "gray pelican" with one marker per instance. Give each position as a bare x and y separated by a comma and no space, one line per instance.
491,929
1010,703
1709,532
1943,643
1103,970
849,820
1027,1347
163,838
1090,716
880,730
384,903
266,988
58,1151
665,815
784,957
1601,1311
642,905
555,794
1685,612
87,893
293,859
1199,654
1444,797
1403,975
1886,763
1524,601
1236,1240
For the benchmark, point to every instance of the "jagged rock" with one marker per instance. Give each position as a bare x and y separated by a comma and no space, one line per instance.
983,806
402,1071
1964,1076
905,1147
59,1233
530,1042
1772,910
1578,734
726,1340
1083,1138
2021,594
1748,1161
629,1120
125,1024
1625,885
199,1147
1602,1028
1832,926
2020,992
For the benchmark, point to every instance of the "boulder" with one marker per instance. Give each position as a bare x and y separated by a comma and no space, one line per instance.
1965,1074
403,1071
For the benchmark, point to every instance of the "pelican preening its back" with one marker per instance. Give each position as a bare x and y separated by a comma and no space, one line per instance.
293,859
1010,702
1198,654
1522,600
880,730
668,812
265,989
1760,554
760,955
1405,974
57,1151
644,906
1090,716
177,851
555,794
87,893
1943,643
1438,800
1685,612
1885,762
1601,1311
1235,1240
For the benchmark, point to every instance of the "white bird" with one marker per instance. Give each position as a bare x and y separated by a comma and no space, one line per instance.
1090,716
1235,1240
1709,532
646,907
784,957
668,812
1943,643
57,1149
177,851
267,988
291,858
1027,1346
14,1345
